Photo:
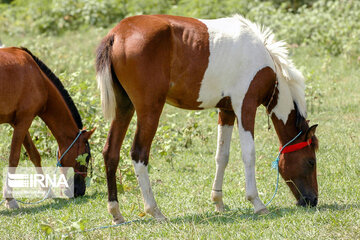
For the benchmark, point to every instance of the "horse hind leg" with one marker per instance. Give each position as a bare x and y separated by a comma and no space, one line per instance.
118,128
225,127
147,123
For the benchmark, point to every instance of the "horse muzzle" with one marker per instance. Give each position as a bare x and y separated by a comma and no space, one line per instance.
308,201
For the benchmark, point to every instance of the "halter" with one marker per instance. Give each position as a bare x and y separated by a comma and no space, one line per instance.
295,147
66,151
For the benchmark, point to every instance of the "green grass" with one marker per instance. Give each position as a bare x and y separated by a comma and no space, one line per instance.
182,176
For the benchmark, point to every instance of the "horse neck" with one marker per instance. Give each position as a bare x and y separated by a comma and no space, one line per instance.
57,116
287,131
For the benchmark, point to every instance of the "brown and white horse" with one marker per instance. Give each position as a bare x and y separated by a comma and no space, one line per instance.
229,63
28,89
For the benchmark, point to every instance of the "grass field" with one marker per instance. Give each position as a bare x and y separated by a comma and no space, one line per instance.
183,166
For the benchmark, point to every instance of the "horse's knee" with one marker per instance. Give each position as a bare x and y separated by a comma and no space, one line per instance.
222,159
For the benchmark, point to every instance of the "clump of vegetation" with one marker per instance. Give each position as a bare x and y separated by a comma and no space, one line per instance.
332,26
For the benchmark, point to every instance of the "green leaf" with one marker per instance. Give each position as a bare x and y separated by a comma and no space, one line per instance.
46,228
87,181
82,159
120,188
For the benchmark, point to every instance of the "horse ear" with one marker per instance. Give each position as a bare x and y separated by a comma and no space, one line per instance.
88,134
310,132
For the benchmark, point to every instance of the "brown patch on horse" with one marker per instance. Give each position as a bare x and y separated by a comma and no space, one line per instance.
153,59
225,103
259,92
167,42
226,117
190,59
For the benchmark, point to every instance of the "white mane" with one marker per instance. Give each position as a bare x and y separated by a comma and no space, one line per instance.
285,68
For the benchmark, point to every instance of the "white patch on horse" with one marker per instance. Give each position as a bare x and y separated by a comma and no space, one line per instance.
222,159
113,209
150,205
236,55
238,50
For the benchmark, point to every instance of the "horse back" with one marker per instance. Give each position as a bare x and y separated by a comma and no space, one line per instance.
22,88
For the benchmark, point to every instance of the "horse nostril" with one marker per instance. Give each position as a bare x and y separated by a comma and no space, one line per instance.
314,202
311,200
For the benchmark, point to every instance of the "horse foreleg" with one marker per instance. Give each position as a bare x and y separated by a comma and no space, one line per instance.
20,131
225,127
246,123
111,153
35,159
145,131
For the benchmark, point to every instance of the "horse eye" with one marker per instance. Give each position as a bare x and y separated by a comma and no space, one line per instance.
311,162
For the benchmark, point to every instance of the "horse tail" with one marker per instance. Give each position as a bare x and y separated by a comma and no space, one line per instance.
285,68
105,77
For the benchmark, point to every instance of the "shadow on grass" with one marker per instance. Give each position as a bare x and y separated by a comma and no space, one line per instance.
236,215
56,204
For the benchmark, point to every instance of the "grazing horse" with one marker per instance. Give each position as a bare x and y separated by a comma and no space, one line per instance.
228,63
28,89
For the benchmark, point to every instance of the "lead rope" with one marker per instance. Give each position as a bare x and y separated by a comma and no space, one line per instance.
275,165
57,165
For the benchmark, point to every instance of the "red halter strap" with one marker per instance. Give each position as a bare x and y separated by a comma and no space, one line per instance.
295,147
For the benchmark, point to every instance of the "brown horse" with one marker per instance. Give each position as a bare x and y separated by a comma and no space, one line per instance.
28,89
227,63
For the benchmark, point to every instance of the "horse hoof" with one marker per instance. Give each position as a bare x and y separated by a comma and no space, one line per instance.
12,204
161,219
118,220
159,216
262,211
156,213
219,208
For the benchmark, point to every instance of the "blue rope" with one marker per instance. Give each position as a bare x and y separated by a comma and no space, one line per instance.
72,144
57,165
275,165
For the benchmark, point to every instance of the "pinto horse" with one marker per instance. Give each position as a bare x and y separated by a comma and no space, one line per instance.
28,89
228,63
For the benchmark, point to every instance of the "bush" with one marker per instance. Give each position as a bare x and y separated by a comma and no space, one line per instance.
331,26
